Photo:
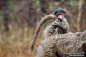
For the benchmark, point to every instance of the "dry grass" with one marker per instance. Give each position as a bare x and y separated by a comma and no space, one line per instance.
16,42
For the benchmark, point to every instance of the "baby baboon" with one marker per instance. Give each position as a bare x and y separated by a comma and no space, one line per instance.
62,24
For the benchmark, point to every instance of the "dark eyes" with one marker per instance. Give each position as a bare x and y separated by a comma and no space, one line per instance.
58,14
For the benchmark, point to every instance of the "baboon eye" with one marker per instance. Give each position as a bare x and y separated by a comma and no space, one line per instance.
58,14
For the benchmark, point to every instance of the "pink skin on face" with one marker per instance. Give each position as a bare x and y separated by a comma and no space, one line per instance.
60,17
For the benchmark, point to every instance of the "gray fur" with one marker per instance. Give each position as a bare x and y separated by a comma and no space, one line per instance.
69,43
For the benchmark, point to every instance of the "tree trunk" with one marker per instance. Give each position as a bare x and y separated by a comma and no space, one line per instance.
79,15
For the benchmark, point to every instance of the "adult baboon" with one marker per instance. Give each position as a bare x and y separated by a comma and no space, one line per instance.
63,45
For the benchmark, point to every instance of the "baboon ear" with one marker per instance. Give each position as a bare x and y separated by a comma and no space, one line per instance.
65,12
53,13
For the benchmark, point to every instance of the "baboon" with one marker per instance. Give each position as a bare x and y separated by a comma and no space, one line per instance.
60,44
63,45
62,24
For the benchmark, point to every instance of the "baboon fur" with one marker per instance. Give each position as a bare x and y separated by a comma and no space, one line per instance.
69,43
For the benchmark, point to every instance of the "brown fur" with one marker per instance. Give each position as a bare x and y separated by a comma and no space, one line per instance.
69,43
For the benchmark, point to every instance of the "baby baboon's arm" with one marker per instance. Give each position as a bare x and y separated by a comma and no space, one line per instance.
62,27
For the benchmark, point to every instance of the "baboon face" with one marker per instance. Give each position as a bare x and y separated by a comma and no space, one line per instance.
60,15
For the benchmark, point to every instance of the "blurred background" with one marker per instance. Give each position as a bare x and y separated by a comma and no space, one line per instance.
19,18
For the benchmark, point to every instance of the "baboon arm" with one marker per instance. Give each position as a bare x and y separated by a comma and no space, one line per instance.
64,25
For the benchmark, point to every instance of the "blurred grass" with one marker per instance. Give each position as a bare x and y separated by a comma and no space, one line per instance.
16,43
